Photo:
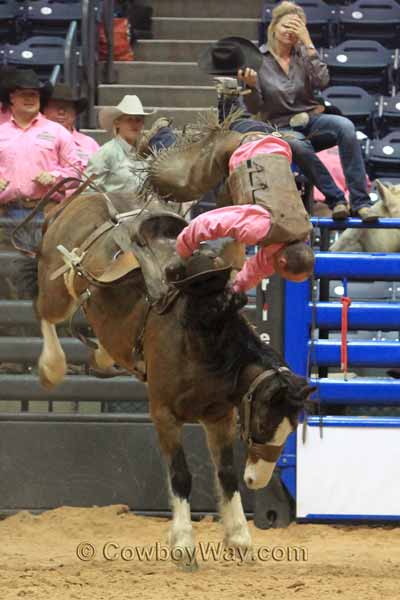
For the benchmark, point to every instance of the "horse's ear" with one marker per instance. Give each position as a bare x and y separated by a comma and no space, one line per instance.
308,392
390,196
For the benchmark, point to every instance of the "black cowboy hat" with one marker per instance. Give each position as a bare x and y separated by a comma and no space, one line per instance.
26,79
200,276
228,55
63,92
6,72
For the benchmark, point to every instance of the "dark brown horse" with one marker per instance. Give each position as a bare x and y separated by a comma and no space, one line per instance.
203,361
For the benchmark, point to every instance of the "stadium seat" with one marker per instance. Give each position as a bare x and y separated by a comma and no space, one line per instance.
388,116
44,17
9,11
371,20
363,63
355,104
43,54
383,157
320,21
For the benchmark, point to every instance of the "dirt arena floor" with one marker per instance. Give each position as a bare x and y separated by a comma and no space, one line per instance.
39,560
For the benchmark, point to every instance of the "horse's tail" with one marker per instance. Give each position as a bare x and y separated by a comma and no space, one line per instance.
25,267
26,271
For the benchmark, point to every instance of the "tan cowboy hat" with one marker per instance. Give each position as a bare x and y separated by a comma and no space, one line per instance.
129,105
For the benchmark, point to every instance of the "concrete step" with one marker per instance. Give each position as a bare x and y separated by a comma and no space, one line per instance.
158,73
179,95
180,116
210,9
171,50
203,29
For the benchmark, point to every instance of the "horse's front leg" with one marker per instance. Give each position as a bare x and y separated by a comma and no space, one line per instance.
220,437
180,539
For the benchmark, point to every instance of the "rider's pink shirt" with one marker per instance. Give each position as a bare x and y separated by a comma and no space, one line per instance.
246,223
269,144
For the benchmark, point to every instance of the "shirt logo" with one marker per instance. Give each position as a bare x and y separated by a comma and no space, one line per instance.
45,135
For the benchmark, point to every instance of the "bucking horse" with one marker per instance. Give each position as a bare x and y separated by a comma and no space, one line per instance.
176,326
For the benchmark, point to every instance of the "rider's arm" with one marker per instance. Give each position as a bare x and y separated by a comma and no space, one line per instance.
246,223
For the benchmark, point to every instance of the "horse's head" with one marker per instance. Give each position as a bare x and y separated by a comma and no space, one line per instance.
269,411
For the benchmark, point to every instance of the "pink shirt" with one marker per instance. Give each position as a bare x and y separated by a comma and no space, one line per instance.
246,223
270,144
25,153
85,146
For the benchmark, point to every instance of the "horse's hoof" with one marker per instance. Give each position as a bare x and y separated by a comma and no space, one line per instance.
45,382
190,566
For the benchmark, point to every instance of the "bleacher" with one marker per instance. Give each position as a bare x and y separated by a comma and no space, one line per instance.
56,39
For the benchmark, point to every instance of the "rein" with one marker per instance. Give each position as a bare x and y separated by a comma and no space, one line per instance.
267,452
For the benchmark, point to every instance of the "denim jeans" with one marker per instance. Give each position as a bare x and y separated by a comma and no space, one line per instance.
350,154
305,158
164,138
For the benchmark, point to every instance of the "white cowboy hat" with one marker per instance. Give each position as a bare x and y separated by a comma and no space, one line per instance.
129,105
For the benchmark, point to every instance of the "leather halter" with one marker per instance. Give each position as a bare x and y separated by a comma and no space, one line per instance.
267,452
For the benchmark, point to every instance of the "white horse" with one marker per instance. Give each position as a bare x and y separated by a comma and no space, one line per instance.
375,240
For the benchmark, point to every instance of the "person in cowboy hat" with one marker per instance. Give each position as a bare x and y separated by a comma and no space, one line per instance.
63,107
119,164
230,58
34,152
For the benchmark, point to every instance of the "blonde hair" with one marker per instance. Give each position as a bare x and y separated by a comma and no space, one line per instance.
283,9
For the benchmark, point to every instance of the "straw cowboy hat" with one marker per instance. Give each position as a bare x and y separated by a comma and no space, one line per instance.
129,105
64,92
228,55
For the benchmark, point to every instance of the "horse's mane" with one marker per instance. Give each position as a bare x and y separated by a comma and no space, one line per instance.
229,342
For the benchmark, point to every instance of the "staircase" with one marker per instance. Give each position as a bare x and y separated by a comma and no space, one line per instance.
165,74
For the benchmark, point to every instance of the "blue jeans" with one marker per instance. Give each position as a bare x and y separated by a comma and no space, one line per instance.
304,156
164,138
351,158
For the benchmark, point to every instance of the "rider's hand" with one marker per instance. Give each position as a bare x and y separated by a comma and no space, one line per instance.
3,184
45,178
249,76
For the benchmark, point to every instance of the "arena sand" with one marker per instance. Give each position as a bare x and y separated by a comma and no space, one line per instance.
39,561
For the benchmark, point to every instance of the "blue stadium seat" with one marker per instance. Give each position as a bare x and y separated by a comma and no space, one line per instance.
44,17
9,12
388,116
383,157
363,63
355,104
371,20
320,21
43,54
